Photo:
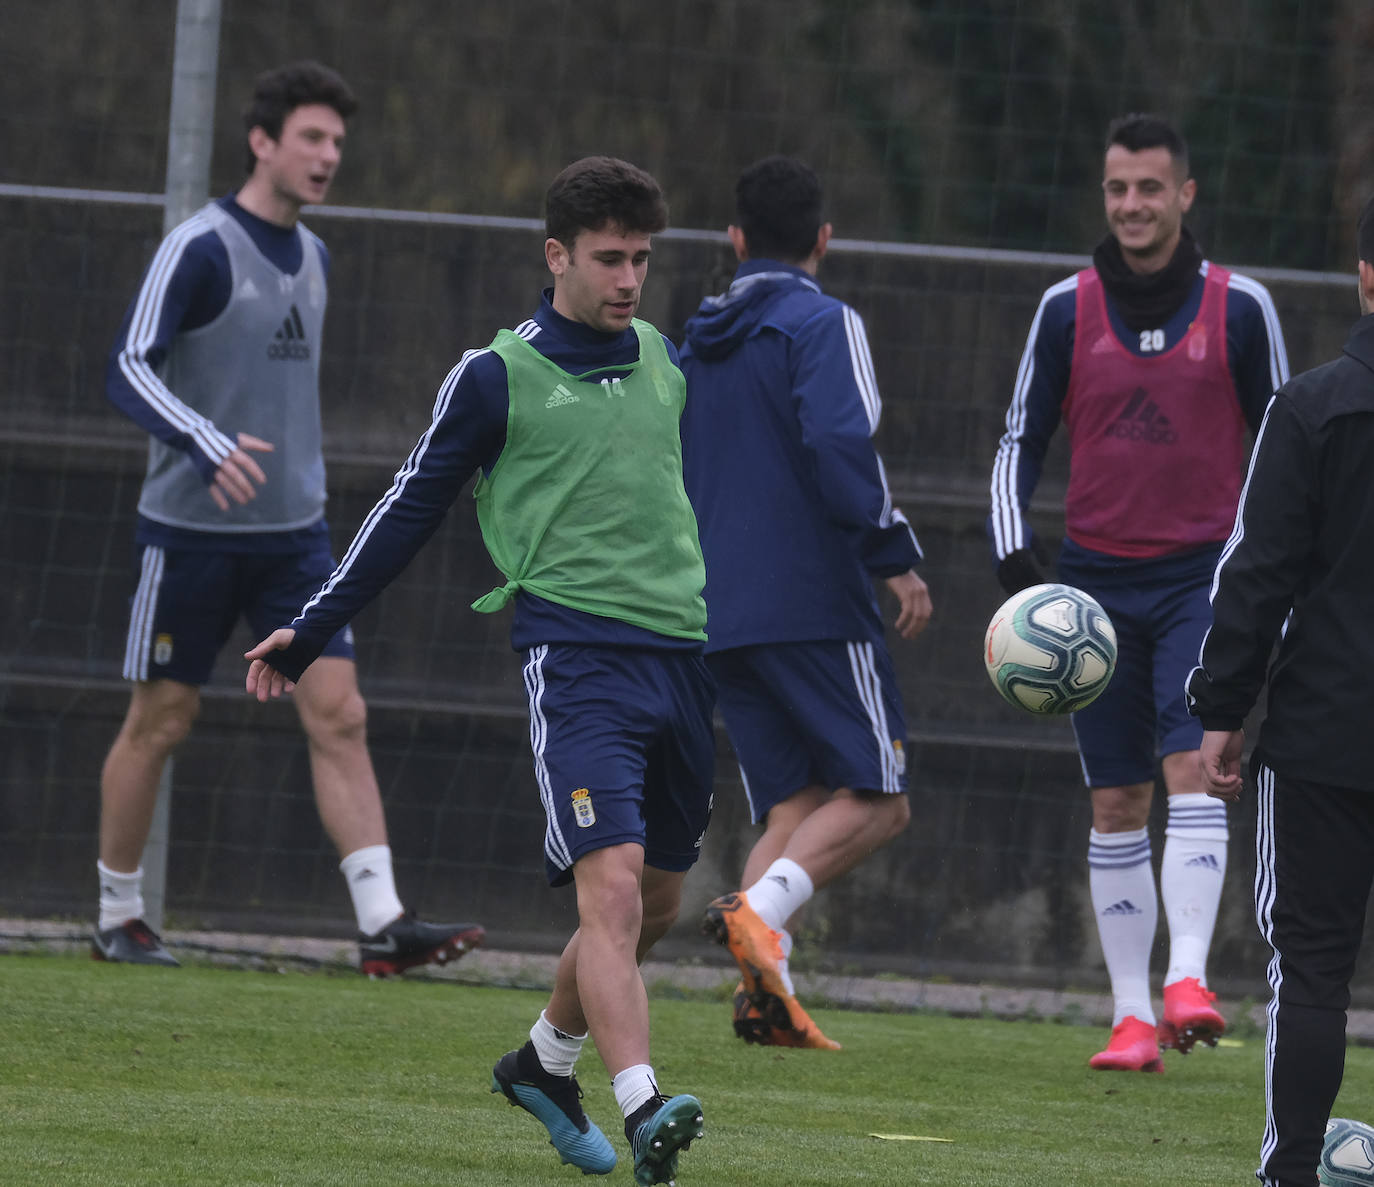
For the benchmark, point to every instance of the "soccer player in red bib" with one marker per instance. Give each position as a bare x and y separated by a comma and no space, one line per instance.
1157,361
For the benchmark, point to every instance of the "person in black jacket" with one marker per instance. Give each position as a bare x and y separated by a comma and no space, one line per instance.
1300,564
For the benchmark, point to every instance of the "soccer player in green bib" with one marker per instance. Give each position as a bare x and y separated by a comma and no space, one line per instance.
571,420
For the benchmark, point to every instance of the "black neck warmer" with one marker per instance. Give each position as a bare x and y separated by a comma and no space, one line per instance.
1146,301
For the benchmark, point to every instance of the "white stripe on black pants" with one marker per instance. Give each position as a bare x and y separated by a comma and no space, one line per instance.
1314,868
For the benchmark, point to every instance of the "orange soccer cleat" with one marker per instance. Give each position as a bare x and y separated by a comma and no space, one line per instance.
750,1024
762,1004
769,1021
1133,1048
1189,1016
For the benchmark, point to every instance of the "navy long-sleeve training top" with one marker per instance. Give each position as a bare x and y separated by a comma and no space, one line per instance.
1255,354
792,502
468,431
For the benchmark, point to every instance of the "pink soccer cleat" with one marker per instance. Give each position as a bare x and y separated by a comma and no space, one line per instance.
1133,1048
1189,1016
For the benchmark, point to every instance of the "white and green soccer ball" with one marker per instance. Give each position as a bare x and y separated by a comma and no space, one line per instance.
1347,1154
1050,649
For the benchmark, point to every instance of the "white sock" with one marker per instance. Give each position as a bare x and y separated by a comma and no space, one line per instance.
633,1087
1190,877
121,896
782,890
1124,901
368,874
785,943
557,1051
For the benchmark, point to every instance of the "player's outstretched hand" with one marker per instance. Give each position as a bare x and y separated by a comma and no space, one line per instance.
264,681
914,603
1219,757
239,476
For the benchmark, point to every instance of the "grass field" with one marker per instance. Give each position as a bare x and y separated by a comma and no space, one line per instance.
119,1075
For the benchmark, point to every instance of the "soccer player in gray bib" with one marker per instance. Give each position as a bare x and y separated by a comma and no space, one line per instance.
218,359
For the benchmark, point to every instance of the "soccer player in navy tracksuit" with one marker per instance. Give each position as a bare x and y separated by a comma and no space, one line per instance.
1156,361
218,359
1299,567
796,523
572,421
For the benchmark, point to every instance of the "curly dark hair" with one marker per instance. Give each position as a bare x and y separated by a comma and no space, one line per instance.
599,192
277,93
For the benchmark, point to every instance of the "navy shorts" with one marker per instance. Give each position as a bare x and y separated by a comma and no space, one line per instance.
189,600
1161,610
624,751
824,713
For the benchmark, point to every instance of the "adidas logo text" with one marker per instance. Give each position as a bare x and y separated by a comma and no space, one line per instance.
1123,907
289,342
1205,861
1141,420
561,395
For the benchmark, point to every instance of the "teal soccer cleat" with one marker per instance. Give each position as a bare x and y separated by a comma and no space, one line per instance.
657,1131
556,1102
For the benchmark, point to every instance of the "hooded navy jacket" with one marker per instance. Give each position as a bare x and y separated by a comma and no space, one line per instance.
792,502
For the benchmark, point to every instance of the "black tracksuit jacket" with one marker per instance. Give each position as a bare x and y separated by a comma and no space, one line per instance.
1303,542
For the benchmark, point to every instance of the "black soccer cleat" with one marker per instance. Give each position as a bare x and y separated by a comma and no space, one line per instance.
406,942
133,942
557,1102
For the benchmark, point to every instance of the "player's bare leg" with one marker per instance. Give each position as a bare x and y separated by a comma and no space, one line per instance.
539,1077
1122,809
624,908
782,822
158,718
660,899
610,990
810,839
843,831
334,717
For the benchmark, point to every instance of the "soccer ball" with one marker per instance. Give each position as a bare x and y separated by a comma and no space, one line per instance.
1050,649
1347,1154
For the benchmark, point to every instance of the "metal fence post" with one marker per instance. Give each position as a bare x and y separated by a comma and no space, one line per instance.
190,140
